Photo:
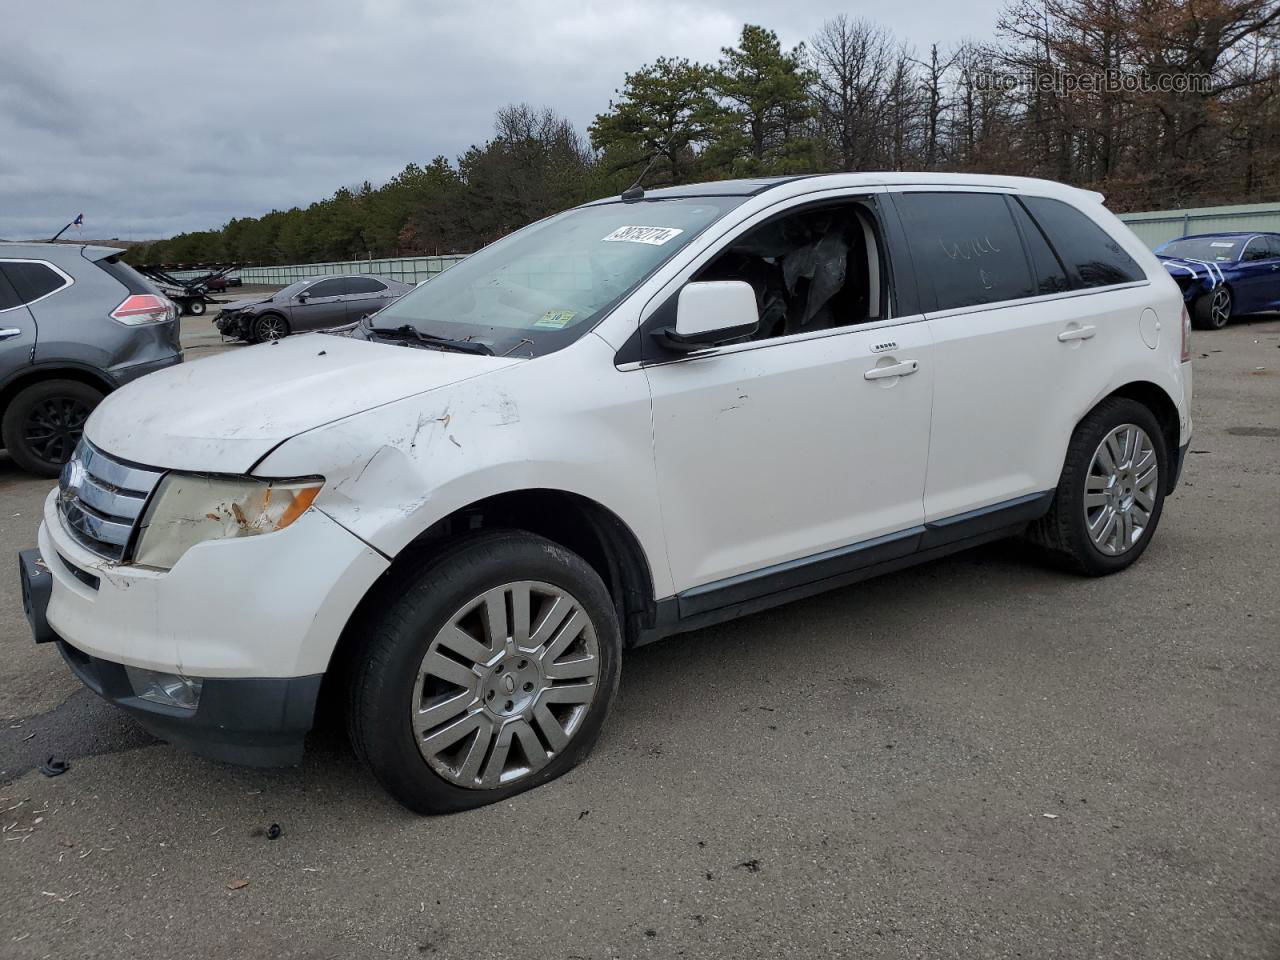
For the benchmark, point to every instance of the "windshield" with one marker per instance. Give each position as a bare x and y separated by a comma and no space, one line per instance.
1203,248
543,287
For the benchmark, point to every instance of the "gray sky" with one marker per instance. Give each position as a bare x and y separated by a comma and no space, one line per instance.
153,118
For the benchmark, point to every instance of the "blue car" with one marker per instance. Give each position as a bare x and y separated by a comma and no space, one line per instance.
1225,274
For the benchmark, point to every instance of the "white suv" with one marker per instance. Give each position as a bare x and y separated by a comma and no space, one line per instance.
635,418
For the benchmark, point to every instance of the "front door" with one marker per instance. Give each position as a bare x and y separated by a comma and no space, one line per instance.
320,306
796,451
1257,282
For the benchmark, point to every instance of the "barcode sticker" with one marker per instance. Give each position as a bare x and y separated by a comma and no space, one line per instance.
655,236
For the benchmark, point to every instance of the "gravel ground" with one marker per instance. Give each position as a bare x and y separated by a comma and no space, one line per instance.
978,758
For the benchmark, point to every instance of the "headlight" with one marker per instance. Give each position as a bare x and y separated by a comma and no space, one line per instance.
188,510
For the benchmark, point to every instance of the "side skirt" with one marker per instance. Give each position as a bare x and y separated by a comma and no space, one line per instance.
772,586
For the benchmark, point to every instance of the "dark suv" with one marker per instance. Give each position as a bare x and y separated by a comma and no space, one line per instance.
75,323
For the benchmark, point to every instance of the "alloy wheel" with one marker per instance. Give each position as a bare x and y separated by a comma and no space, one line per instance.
54,427
270,328
505,685
1120,490
1220,307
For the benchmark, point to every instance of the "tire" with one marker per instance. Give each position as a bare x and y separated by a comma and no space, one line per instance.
45,421
195,308
1213,310
182,307
270,326
1128,492
425,759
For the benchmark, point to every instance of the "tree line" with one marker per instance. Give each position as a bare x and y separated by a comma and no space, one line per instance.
1156,103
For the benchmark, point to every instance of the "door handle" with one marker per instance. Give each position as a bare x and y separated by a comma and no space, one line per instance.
1077,333
903,369
10,332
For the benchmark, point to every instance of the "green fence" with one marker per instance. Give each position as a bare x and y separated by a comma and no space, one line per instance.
1158,226
405,269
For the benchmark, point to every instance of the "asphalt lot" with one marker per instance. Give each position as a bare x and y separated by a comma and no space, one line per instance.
978,758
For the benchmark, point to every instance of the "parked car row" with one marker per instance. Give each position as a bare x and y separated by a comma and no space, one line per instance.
648,414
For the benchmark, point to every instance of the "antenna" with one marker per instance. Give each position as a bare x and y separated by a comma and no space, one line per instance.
635,191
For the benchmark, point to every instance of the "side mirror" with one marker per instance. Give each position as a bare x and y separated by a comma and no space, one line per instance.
710,313
303,297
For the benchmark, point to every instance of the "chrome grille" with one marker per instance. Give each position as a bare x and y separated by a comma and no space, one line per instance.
101,499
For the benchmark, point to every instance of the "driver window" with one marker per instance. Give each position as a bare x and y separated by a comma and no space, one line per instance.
1256,250
812,269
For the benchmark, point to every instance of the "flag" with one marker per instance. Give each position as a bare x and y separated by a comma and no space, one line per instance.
79,220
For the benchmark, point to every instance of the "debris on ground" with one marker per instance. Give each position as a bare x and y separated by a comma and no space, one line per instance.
237,884
54,767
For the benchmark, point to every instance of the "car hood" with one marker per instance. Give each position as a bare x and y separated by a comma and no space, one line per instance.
222,414
1184,270
241,304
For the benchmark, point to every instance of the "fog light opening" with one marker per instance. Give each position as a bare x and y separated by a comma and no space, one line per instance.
169,689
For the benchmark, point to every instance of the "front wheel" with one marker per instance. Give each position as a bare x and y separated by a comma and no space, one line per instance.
270,327
195,308
489,673
1111,493
1213,310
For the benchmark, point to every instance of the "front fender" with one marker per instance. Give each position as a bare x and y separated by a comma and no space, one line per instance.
569,422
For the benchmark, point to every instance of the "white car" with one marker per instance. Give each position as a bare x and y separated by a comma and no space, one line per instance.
632,419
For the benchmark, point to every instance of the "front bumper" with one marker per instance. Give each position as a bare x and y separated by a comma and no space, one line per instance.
256,619
266,606
256,721
233,324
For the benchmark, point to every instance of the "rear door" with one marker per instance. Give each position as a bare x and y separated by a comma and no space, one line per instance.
17,329
1026,334
366,295
324,306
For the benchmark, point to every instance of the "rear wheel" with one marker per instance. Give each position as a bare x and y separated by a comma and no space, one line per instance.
44,422
491,672
270,326
1111,493
1213,310
195,308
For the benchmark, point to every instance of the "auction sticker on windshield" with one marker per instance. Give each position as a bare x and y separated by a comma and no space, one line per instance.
655,236
554,319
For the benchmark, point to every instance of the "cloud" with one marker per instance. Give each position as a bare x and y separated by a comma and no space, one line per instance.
158,117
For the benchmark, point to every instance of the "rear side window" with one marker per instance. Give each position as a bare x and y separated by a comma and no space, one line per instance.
1089,252
328,288
364,285
1049,273
967,245
32,280
8,298
132,280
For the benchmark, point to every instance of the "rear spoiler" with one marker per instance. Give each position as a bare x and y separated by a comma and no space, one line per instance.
95,253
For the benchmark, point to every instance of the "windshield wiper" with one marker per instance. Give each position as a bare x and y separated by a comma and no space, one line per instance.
410,332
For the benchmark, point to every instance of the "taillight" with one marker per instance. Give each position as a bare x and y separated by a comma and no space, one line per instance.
144,308
1186,336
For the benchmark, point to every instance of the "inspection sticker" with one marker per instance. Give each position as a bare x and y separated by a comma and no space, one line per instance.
1227,245
655,236
554,319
